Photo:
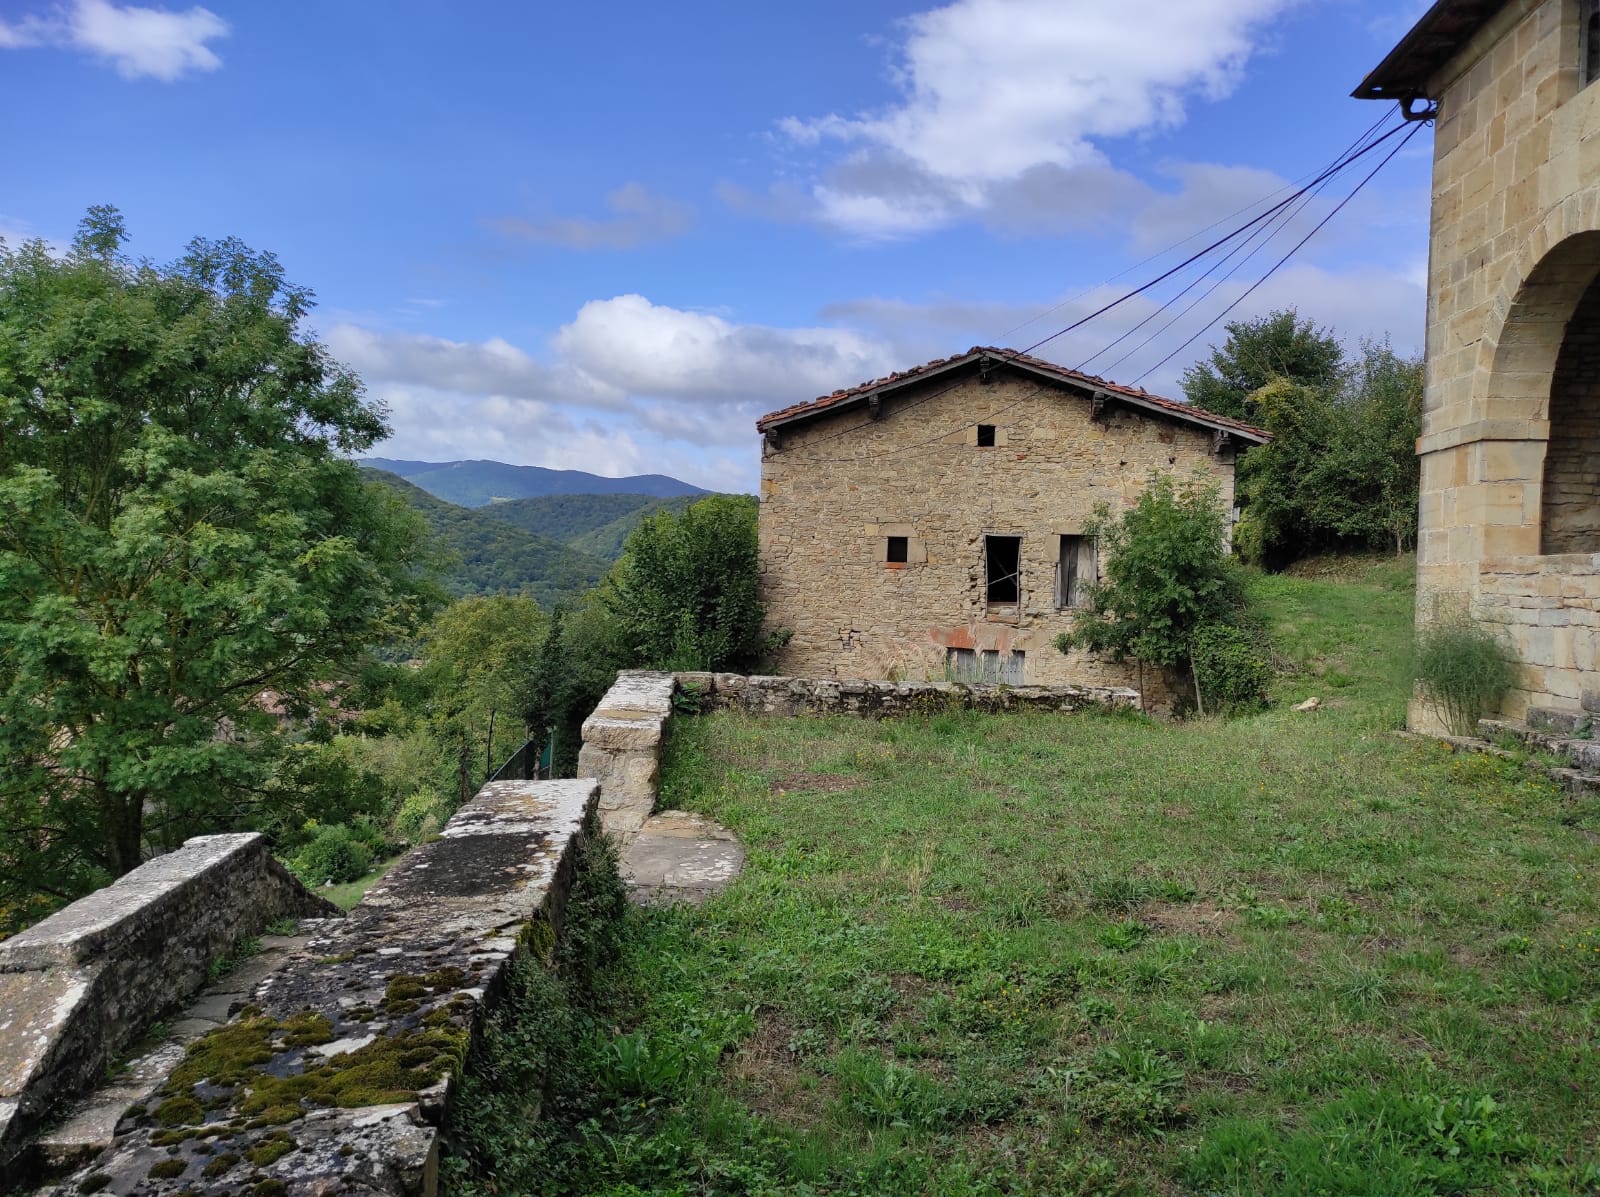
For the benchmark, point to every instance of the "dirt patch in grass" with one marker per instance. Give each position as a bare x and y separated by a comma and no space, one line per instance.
1187,918
815,783
771,1078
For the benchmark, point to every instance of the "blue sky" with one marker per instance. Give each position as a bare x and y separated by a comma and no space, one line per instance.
607,237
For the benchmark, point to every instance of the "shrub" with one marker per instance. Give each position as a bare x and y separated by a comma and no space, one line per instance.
421,815
335,854
1462,671
1232,668
1169,585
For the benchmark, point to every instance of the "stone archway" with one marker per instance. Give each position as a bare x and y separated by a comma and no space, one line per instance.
1569,509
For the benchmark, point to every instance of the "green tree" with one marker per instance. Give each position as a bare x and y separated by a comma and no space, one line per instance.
482,663
1167,576
1279,345
1341,470
181,529
686,592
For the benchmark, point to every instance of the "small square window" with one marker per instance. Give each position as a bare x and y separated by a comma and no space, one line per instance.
898,550
985,436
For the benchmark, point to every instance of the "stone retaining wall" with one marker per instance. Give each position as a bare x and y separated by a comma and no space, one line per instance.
622,748
622,738
791,696
77,988
336,1076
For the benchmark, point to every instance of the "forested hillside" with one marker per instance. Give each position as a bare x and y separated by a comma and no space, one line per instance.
490,556
593,524
475,483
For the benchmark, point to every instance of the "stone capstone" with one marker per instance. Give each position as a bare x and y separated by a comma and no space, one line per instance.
335,1074
80,986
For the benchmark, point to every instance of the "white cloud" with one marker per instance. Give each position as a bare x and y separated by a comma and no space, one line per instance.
494,367
661,352
140,42
630,387
991,90
637,217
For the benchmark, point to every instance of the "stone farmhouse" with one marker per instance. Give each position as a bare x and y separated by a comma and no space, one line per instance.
930,524
1510,445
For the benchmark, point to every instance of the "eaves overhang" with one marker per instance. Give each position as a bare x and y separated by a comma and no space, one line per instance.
1405,74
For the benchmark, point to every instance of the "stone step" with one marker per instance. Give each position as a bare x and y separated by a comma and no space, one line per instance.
1559,720
1583,752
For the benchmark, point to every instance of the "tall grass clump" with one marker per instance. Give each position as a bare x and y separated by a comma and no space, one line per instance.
1462,670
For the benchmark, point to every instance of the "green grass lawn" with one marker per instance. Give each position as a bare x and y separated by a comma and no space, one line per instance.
1286,954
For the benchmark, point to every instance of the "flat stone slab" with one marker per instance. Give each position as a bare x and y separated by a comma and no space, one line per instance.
680,857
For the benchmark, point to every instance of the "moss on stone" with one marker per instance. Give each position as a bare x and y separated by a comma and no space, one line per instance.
179,1109
271,1149
168,1169
94,1182
269,1188
540,939
220,1165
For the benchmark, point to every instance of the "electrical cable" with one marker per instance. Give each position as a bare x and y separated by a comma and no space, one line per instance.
1161,253
1292,251
1288,214
1340,164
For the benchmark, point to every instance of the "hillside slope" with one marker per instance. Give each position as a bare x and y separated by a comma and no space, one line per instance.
606,541
489,556
566,517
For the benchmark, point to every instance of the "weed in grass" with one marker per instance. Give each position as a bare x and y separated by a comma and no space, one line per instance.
1123,936
1130,1088
1097,1010
1365,988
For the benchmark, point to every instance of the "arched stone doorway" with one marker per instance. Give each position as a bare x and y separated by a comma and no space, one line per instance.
1569,509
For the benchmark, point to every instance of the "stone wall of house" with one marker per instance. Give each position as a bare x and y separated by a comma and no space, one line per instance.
829,503
1515,246
79,987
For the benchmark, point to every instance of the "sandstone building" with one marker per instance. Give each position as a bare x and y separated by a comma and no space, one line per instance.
930,524
1510,446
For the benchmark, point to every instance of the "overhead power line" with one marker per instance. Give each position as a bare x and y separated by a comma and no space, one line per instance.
1300,195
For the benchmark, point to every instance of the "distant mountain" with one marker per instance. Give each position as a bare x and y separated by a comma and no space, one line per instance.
490,556
593,524
392,465
475,483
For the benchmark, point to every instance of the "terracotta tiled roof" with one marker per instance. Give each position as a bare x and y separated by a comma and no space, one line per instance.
1136,396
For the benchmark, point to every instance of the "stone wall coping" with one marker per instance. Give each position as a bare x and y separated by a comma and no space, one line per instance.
90,927
413,968
1564,564
82,985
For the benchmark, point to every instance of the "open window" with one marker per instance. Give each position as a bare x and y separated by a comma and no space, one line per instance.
1076,571
985,436
898,550
1002,570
